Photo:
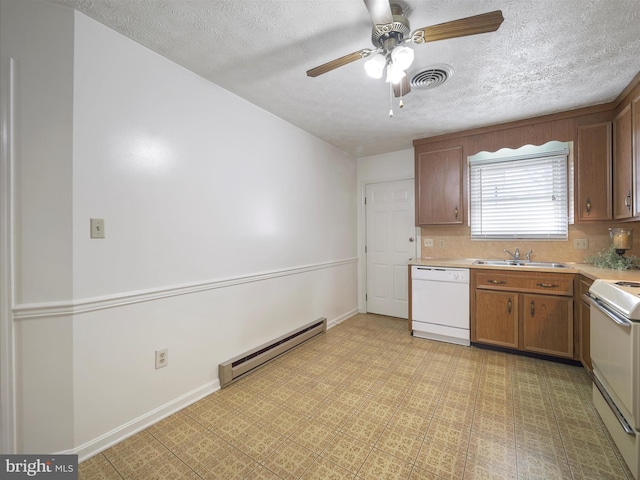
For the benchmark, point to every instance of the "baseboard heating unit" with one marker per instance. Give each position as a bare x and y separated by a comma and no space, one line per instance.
235,368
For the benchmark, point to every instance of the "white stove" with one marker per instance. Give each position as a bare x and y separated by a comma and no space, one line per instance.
620,295
615,355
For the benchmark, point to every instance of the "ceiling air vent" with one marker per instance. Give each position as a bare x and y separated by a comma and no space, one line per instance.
431,77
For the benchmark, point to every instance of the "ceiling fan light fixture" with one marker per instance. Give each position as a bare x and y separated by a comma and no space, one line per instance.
375,66
402,57
394,73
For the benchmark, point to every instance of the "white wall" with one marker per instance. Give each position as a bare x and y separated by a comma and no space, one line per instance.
387,167
225,227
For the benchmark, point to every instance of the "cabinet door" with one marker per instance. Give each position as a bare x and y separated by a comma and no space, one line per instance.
582,327
593,172
439,199
496,318
622,165
584,317
547,325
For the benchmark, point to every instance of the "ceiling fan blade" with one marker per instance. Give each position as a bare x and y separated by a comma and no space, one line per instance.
483,23
380,11
338,62
402,88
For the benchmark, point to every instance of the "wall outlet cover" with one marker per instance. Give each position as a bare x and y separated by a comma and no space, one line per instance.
581,244
162,358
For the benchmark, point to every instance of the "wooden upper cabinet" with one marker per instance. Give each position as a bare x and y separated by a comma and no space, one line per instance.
439,187
623,165
593,173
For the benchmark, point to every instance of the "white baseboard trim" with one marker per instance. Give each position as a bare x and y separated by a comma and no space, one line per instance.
97,445
342,318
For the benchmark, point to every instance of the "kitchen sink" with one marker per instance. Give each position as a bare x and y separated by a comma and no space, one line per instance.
520,263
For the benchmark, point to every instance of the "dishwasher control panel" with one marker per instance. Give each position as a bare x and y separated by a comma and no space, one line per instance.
456,275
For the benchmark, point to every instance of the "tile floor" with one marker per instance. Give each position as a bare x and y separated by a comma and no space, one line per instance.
368,401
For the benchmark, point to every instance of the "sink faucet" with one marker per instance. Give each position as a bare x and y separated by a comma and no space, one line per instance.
529,255
516,256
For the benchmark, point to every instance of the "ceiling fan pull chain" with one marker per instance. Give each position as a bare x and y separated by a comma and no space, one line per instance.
390,100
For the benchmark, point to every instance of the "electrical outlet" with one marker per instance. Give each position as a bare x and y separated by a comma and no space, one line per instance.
441,243
97,227
581,244
162,358
428,242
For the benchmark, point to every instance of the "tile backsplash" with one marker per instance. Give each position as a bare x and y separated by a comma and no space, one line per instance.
455,242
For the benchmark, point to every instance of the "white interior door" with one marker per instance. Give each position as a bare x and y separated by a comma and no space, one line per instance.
391,235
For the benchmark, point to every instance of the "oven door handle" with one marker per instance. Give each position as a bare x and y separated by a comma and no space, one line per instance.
596,302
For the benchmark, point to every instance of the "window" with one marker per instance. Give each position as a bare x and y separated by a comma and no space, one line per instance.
521,195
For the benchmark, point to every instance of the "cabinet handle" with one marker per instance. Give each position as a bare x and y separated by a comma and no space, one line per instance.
588,205
547,285
533,308
456,212
509,304
627,200
496,282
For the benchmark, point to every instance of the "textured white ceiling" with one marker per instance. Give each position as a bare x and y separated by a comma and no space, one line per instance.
548,56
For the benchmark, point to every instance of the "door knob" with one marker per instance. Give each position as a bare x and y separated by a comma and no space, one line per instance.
411,239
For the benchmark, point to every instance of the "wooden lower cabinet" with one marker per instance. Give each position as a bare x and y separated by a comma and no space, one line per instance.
496,318
536,315
582,318
547,325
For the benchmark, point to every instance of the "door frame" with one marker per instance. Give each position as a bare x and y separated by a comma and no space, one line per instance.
362,237
7,282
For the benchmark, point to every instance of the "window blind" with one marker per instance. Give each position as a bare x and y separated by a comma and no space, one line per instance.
519,197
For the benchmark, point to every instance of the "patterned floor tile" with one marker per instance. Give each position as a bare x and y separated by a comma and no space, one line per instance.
290,460
383,466
492,451
334,414
439,460
315,436
362,427
476,469
97,468
259,442
411,420
539,467
136,453
262,473
495,426
400,442
367,401
347,452
323,469
452,435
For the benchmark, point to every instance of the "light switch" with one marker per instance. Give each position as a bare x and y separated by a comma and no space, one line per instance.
97,228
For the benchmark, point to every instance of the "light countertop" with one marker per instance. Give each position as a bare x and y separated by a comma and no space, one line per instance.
587,270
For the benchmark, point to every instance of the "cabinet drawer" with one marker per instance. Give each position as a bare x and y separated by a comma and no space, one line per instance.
539,282
584,284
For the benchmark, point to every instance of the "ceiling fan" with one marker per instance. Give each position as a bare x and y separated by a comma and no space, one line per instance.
391,30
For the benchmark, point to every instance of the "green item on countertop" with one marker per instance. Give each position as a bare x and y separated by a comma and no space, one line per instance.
610,259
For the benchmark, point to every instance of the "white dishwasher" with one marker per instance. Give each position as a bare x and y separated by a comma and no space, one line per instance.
440,304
